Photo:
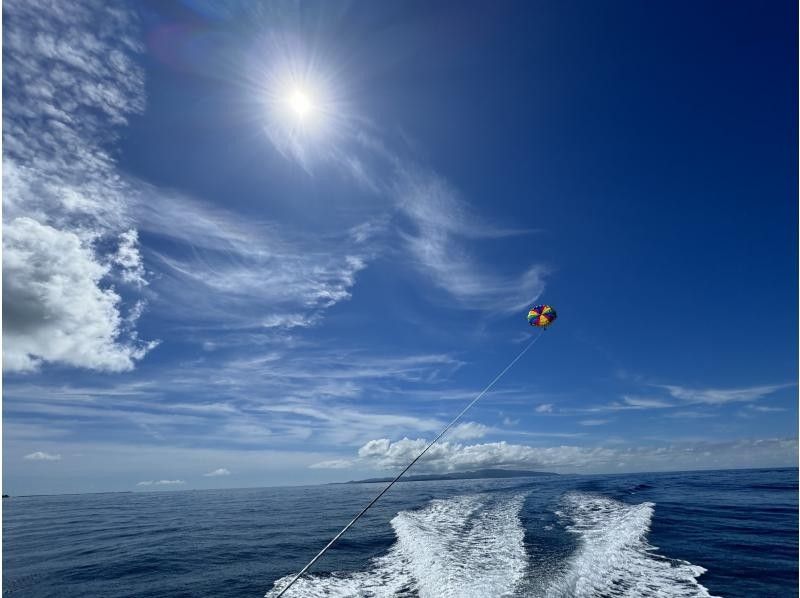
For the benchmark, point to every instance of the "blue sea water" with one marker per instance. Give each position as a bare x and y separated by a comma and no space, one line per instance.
716,533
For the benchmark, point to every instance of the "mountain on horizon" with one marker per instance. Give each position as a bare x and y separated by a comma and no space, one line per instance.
461,475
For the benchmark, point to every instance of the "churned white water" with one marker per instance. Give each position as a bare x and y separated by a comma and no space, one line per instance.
464,547
614,558
473,547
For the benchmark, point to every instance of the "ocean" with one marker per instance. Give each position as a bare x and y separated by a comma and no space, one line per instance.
711,533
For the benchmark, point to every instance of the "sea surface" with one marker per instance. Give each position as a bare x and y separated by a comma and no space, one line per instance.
717,533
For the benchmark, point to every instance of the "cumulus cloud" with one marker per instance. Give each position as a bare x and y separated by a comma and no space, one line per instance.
217,472
447,456
67,234
42,456
54,306
544,408
160,483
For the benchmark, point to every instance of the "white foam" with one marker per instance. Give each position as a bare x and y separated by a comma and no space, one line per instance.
464,547
473,547
614,558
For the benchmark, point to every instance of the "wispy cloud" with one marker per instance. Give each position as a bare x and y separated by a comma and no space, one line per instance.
544,408
594,422
765,409
236,272
435,224
440,225
267,399
685,396
42,456
645,403
689,414
717,396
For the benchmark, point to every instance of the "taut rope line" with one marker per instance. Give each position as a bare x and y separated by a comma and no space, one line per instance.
417,458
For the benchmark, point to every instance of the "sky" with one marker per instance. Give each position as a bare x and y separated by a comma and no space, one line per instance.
209,282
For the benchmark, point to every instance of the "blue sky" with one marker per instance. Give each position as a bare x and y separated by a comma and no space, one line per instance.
204,289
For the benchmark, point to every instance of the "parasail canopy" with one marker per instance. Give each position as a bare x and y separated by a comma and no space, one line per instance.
541,316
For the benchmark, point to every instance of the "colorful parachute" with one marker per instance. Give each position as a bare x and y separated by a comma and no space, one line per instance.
541,316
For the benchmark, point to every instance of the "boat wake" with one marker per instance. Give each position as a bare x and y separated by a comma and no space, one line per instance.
614,558
469,546
473,547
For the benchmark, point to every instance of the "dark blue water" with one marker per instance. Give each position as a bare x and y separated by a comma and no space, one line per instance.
729,533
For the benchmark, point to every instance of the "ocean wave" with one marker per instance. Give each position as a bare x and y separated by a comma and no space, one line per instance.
614,558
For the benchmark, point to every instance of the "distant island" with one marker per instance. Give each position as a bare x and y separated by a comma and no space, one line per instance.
461,475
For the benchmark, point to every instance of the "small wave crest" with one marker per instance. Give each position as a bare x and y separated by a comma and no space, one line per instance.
465,547
614,558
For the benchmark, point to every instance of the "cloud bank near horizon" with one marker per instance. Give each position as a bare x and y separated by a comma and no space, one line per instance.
446,457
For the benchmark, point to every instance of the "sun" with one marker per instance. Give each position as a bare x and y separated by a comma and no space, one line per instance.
300,104
302,108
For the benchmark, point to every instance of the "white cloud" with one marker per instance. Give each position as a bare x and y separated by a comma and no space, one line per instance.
244,274
441,224
384,454
716,396
55,307
74,83
628,403
160,483
332,464
544,408
129,259
270,398
765,409
684,414
217,472
646,403
42,456
468,431
332,423
594,422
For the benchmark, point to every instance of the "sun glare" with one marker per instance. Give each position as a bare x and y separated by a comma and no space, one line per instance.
302,109
300,103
